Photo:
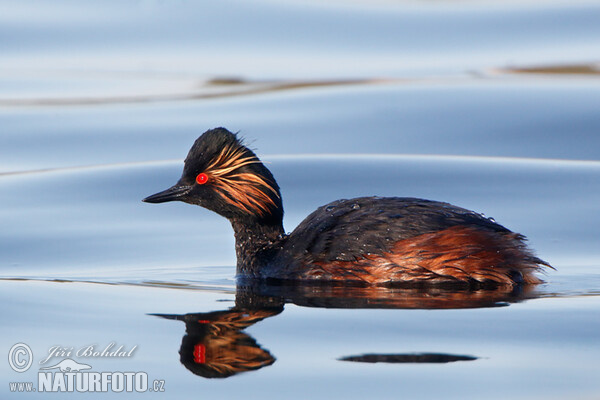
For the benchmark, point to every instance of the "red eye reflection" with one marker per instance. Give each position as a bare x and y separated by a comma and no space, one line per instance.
201,179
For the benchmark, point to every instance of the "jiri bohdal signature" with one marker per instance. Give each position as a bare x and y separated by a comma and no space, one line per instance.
91,351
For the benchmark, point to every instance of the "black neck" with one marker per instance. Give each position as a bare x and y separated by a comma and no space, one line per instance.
255,242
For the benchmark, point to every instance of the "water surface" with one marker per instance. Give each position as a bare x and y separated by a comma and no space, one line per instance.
492,106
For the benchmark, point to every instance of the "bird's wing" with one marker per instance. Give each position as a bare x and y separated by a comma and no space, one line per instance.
345,230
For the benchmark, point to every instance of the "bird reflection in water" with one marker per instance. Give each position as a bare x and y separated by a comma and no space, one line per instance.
216,346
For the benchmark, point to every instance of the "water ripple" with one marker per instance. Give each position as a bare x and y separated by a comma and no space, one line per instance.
446,158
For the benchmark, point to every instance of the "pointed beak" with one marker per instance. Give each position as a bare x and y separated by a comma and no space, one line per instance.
171,194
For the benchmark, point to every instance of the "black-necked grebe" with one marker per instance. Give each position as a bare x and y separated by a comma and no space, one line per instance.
367,240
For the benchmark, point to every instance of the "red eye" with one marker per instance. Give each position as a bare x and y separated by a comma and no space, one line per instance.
201,179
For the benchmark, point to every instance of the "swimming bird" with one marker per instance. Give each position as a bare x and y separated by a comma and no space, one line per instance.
365,241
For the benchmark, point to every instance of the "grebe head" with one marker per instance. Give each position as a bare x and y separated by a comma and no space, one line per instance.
223,175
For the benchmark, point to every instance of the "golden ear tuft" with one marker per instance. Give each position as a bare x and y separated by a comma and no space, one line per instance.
244,190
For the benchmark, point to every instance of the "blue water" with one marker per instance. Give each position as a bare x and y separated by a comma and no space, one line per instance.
492,106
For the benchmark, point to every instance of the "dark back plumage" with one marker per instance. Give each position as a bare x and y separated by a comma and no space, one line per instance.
347,229
394,240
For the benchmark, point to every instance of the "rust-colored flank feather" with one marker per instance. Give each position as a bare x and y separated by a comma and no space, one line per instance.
241,189
456,254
